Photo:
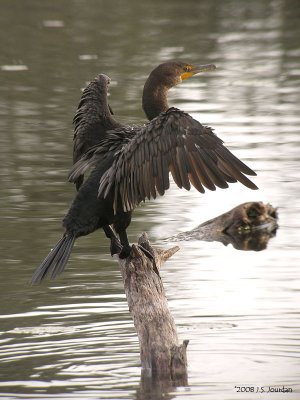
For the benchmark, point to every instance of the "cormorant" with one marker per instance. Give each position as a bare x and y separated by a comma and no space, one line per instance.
133,163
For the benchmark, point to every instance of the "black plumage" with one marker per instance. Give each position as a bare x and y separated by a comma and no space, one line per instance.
92,120
178,144
131,164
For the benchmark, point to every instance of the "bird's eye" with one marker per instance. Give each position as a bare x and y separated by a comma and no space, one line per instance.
187,68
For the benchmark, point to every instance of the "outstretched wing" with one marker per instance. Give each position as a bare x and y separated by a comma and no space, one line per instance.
173,142
92,119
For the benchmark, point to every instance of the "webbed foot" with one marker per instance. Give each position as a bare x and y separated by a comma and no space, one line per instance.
125,252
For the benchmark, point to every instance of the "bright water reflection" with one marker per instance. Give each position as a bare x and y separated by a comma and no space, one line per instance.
73,338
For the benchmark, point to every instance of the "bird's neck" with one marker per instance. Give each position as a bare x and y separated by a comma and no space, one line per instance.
154,99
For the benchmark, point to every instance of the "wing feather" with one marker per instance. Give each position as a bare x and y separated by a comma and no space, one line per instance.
183,168
171,143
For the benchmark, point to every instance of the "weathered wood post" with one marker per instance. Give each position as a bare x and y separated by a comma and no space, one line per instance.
162,357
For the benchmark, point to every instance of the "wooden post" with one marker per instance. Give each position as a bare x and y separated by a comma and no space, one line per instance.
162,357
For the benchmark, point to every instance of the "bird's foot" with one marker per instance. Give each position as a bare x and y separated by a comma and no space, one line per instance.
125,252
115,246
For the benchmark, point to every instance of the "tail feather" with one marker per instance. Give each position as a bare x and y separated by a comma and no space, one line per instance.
62,258
56,260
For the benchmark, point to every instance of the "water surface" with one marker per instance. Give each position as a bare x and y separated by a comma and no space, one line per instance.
74,338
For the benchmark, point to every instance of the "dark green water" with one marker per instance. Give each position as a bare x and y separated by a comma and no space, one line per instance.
74,338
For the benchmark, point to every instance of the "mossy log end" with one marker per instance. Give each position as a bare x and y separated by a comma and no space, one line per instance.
249,226
162,357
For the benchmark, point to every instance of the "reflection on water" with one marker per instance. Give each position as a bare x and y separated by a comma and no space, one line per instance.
240,310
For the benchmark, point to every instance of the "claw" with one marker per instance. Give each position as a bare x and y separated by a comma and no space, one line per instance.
125,252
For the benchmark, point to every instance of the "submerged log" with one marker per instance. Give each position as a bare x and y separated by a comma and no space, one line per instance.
249,226
162,357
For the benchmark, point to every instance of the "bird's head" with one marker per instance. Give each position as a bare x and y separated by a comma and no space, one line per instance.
172,73
163,78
